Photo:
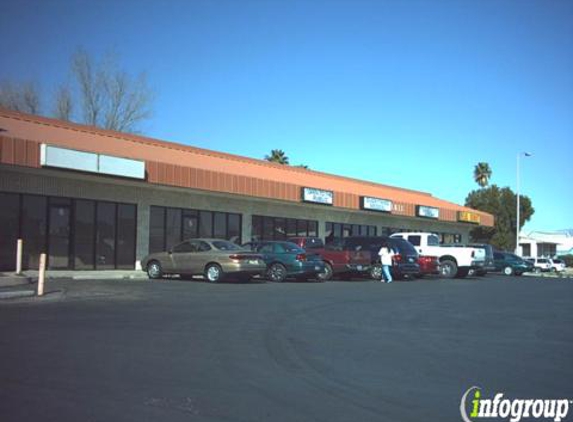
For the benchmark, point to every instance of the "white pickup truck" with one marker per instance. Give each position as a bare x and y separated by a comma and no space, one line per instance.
455,261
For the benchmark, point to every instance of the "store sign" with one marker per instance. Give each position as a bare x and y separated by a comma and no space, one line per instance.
469,217
317,196
53,156
376,204
428,212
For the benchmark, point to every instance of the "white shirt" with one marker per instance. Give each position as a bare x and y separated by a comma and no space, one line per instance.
386,255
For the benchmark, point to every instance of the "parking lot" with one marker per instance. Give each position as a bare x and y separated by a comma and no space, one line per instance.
336,351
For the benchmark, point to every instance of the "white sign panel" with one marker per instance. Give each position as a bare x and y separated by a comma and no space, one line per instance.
376,204
52,156
428,212
124,167
317,196
68,158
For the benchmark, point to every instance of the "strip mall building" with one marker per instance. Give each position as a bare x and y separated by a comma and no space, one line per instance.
98,199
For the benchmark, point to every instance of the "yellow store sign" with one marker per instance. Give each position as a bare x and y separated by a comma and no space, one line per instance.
469,217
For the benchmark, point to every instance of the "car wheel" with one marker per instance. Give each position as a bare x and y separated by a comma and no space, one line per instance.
326,274
376,272
448,268
154,270
508,270
213,273
277,272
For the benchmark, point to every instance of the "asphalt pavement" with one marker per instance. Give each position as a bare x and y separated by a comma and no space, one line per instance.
126,350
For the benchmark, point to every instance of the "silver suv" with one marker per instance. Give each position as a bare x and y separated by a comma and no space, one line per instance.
540,264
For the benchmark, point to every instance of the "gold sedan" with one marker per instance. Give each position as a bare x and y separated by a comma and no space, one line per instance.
215,259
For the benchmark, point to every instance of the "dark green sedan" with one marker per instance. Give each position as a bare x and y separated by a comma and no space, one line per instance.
285,259
511,264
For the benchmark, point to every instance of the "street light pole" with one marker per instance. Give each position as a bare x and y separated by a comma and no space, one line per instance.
525,154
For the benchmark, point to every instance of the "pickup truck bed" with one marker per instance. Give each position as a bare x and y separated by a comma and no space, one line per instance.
338,261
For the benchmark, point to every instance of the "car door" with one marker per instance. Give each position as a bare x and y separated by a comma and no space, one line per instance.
267,252
203,254
181,256
498,261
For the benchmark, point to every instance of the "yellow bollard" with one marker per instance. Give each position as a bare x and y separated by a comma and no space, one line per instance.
42,274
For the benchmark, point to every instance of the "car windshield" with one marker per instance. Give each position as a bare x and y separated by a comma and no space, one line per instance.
224,245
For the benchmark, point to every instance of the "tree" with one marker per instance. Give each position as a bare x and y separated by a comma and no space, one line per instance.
21,97
502,203
277,156
100,95
110,98
482,174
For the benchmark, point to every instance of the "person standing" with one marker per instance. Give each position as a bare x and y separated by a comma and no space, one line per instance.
386,255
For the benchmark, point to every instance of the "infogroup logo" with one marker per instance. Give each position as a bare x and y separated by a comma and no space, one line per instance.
513,409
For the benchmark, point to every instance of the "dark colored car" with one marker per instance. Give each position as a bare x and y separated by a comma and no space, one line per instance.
511,264
213,258
405,261
338,261
489,264
285,259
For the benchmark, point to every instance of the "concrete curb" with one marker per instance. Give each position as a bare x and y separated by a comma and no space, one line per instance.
16,294
11,280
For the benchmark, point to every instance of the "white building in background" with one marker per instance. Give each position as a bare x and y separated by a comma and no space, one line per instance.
546,244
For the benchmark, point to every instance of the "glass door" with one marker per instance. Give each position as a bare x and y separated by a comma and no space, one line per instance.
59,233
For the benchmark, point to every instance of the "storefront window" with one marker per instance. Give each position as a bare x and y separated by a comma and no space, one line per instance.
126,233
84,234
9,227
106,236
73,233
170,226
190,224
205,224
157,229
220,225
277,228
34,229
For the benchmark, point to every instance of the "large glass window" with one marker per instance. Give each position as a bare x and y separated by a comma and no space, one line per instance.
170,226
84,234
126,233
190,224
74,233
9,227
335,231
234,228
157,229
205,224
34,229
59,233
220,225
277,228
105,235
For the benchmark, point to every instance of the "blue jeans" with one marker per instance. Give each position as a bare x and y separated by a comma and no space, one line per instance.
386,273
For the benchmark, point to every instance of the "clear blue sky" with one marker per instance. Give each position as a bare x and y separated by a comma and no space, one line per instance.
402,92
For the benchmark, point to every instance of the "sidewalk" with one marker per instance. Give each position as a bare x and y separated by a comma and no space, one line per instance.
13,286
91,275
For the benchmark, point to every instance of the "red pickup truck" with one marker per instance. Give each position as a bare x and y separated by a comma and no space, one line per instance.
338,260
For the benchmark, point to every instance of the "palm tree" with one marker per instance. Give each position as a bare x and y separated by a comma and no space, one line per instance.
277,156
482,174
